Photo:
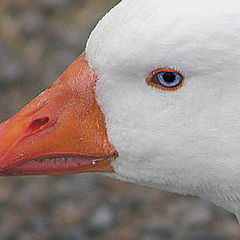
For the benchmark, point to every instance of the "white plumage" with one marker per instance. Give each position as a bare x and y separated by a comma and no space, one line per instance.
186,141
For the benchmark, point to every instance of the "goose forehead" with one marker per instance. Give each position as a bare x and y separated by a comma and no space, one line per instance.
141,35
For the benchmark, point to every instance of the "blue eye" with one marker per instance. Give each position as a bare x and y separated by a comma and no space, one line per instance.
169,79
165,79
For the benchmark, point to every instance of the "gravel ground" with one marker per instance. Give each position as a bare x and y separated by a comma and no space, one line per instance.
38,39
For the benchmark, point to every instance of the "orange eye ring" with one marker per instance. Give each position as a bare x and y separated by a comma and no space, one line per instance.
173,79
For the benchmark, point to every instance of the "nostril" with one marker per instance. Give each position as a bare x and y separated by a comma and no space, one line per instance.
38,123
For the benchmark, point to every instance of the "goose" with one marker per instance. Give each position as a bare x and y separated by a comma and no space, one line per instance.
153,100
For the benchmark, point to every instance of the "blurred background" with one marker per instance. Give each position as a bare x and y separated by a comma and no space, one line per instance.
38,40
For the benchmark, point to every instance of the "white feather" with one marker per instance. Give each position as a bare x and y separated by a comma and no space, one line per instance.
185,141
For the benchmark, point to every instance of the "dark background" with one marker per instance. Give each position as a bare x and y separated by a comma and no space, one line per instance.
38,39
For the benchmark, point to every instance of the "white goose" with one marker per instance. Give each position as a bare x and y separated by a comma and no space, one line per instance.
185,140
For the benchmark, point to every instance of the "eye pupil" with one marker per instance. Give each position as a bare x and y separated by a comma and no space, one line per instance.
169,77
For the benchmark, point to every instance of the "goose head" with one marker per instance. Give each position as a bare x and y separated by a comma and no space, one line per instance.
154,100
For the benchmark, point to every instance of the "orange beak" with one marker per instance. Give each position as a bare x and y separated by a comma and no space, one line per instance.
62,131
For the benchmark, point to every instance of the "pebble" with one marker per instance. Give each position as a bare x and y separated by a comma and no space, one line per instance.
102,218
